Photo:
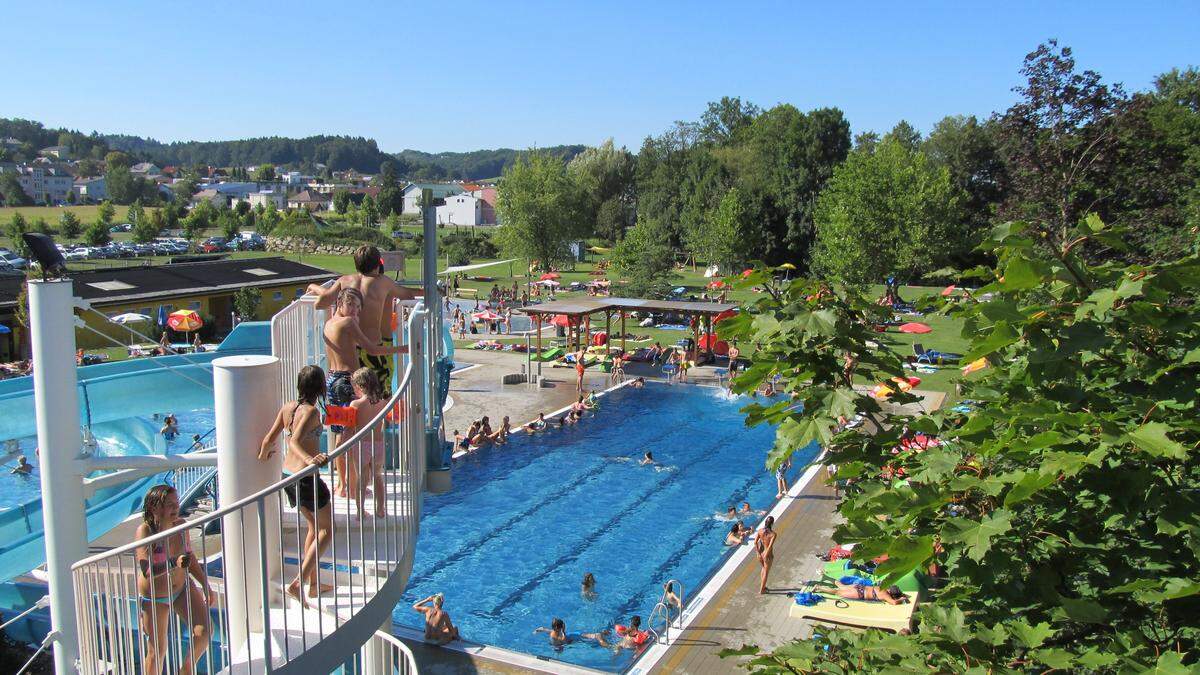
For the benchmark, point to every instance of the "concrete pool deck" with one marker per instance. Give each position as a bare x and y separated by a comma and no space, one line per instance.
732,615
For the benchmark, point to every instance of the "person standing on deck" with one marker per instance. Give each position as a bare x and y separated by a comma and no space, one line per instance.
377,292
580,367
344,339
764,547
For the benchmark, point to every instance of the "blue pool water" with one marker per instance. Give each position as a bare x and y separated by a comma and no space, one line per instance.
509,545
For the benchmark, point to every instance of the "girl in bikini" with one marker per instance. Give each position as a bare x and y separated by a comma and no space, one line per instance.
370,400
165,572
300,423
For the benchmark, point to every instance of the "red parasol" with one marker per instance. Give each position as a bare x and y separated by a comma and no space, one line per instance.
914,327
747,273
485,315
716,284
184,321
948,290
549,276
724,315
562,320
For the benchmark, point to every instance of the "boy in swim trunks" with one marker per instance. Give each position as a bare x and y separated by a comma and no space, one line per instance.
376,293
343,339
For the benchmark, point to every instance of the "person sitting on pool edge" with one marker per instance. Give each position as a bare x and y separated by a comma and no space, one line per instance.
557,631
538,424
438,628
892,595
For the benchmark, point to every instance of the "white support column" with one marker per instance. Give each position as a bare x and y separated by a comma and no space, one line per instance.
246,391
56,400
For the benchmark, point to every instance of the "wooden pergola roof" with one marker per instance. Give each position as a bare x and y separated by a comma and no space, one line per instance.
584,306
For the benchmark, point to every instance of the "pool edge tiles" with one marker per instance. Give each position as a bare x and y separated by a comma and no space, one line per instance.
707,584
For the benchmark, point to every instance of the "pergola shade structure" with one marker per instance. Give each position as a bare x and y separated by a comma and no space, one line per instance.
579,314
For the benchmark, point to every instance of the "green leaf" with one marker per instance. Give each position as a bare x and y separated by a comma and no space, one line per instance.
1031,636
1152,438
1002,335
1022,274
1171,663
905,554
820,322
744,650
1055,658
1083,610
977,536
1026,487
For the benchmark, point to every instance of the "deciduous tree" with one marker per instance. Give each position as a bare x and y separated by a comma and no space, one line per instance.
542,208
886,212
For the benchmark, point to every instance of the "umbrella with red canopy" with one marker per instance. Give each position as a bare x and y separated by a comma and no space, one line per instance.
184,321
716,284
562,320
948,290
549,276
486,315
918,328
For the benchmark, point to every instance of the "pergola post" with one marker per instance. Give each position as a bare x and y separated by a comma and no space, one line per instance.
622,331
607,329
696,334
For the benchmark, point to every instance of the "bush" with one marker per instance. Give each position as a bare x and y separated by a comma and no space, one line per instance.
477,246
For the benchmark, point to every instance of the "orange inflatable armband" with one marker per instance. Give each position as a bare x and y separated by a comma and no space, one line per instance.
344,416
396,414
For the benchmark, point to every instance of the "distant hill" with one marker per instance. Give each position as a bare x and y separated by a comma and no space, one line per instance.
475,165
336,152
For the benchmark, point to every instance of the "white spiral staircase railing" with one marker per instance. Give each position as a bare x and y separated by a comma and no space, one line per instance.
251,549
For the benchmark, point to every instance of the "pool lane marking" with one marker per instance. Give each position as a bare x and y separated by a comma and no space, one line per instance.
718,588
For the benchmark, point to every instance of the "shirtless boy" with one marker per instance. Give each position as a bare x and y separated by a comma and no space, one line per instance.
375,319
343,339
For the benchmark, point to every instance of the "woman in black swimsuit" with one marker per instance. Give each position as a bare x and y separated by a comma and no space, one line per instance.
300,423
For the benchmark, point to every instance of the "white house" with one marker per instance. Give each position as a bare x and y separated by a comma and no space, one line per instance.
412,194
211,196
45,185
266,197
90,190
461,209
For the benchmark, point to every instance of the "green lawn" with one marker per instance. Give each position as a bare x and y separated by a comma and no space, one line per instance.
86,214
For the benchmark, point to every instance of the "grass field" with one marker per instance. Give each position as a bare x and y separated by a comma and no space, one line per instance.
51,214
945,335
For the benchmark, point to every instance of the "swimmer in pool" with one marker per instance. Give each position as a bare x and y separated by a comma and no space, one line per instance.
587,589
631,637
23,468
735,537
731,514
557,631
538,424
648,460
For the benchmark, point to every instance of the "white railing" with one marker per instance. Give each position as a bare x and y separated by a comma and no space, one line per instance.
135,617
669,611
296,340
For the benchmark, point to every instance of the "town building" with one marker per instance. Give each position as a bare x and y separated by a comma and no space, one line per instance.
412,194
57,151
90,190
310,200
463,209
145,169
267,197
43,184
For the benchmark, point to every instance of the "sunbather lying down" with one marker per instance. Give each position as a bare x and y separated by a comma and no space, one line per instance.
892,596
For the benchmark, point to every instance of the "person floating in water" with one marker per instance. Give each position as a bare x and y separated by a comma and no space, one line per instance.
170,427
23,468
648,460
631,636
438,628
587,588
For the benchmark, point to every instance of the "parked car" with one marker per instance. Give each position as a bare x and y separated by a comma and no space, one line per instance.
213,245
79,253
7,270
13,259
401,234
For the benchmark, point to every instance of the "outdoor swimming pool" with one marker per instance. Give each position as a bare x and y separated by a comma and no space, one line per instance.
509,545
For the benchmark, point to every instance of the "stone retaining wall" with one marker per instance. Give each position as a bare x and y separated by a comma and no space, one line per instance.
301,245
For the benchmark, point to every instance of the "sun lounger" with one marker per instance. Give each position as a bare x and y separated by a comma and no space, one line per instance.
861,613
909,583
549,354
933,356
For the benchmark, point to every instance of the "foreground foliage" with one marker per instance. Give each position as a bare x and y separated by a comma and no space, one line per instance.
1064,509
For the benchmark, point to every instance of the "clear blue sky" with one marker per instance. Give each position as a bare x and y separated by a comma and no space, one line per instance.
457,76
